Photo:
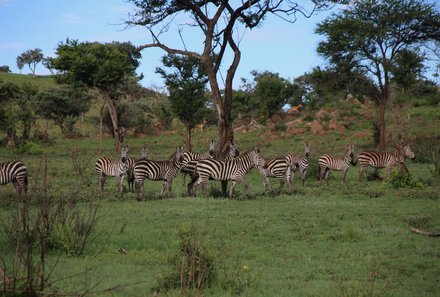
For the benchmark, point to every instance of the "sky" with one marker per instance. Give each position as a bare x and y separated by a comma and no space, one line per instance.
277,46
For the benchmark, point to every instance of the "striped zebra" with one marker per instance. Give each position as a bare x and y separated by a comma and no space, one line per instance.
233,170
187,167
15,172
232,153
108,167
301,163
386,160
131,162
158,170
327,163
276,168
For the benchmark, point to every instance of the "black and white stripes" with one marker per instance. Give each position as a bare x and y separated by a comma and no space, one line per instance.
131,162
301,163
328,162
108,167
233,170
15,172
386,160
158,170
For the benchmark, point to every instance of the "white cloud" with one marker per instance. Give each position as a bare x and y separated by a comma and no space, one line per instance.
11,45
7,2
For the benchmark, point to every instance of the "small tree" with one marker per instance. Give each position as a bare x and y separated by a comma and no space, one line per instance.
20,63
63,105
102,67
5,68
186,86
31,58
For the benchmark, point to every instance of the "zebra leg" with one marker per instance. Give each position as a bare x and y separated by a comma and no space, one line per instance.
231,190
101,182
361,172
164,186
327,173
138,186
121,183
289,178
169,186
281,184
303,177
344,175
266,184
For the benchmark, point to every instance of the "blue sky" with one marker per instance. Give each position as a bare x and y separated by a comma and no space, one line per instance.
280,47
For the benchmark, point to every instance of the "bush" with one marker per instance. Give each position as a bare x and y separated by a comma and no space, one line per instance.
400,179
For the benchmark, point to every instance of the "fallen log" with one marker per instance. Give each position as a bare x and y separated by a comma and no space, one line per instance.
427,233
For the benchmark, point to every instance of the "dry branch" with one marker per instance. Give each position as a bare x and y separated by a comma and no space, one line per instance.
427,233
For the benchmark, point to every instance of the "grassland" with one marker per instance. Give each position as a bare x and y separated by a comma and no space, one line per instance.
342,240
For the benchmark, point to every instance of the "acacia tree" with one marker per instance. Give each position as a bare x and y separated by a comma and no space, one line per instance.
371,34
104,67
31,58
186,84
218,22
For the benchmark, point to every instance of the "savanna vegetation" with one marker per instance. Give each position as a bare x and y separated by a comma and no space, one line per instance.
354,239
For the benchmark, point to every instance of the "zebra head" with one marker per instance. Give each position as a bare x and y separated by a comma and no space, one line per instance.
350,153
144,152
306,149
179,155
256,158
407,152
233,150
124,155
211,150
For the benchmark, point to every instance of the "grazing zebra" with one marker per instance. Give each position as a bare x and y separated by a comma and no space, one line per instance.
130,172
385,159
233,170
233,152
158,170
327,163
109,167
187,167
301,163
15,172
277,168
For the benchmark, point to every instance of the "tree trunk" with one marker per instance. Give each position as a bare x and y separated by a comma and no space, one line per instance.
188,138
382,107
114,117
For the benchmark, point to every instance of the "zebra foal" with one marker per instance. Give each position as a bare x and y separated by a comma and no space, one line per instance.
327,163
385,159
301,163
15,172
233,170
131,162
108,167
158,170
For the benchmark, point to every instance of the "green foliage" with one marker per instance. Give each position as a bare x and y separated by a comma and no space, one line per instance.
5,68
63,105
186,82
400,179
30,148
192,267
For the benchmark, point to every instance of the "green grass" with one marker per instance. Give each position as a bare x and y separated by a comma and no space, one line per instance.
341,240
42,82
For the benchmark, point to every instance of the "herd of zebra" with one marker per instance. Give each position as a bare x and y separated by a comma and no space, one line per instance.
202,167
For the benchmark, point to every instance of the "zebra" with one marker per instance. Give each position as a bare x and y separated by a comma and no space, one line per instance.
158,170
15,172
327,163
187,167
301,163
109,167
277,168
385,159
233,170
233,152
131,162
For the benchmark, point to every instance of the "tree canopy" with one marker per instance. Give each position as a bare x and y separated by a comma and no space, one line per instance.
31,58
372,35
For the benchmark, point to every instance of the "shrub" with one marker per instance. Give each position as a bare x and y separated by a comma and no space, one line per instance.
400,179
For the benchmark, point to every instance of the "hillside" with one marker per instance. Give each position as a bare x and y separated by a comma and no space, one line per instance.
40,81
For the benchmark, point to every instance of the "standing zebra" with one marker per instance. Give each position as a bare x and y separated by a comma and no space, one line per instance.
233,152
327,163
233,170
385,159
131,162
187,167
15,172
301,163
158,170
109,167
